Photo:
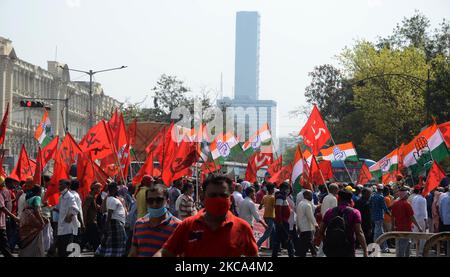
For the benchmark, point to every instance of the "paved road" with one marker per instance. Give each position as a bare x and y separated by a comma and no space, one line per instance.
263,253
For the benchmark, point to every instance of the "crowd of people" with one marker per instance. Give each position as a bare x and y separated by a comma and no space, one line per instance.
216,218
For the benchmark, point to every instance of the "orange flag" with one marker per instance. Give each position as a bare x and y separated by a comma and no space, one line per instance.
435,176
364,175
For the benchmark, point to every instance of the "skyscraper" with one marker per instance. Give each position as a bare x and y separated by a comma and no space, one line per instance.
246,78
246,110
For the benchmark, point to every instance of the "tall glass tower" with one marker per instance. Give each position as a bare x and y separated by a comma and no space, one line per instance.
246,78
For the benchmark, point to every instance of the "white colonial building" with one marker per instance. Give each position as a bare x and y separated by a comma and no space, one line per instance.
20,80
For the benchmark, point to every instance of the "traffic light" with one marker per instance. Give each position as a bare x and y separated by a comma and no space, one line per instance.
31,104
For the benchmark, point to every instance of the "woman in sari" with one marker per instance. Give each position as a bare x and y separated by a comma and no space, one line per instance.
31,226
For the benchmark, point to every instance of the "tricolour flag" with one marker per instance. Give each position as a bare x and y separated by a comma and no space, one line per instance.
300,167
262,137
387,164
340,152
222,147
43,133
427,146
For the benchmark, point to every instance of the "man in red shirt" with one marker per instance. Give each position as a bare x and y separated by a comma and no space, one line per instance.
214,231
282,214
402,220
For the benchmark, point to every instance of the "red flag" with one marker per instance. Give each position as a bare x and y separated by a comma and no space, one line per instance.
88,172
156,145
364,175
282,175
114,122
85,174
39,167
435,176
180,174
389,177
180,159
210,167
315,133
2,171
146,169
4,124
163,145
68,151
255,162
24,167
445,131
132,131
60,171
120,135
250,173
97,140
327,169
275,166
48,152
315,173
65,156
125,160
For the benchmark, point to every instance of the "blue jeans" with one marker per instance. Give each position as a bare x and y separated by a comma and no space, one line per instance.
378,231
402,248
270,227
282,236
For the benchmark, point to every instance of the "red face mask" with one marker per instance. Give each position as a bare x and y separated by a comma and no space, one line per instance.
217,206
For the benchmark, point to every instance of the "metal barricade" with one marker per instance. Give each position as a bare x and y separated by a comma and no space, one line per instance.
436,240
414,236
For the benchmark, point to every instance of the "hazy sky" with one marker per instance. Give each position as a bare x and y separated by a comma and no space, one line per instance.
194,40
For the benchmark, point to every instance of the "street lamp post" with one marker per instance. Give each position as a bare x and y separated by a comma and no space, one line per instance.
91,73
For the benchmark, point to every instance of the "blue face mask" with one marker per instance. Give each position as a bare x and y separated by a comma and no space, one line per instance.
157,213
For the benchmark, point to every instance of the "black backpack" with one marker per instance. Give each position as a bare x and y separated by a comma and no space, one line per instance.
336,242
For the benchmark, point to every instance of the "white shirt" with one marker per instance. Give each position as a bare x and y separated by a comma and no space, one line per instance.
116,206
67,205
419,206
292,216
237,196
21,203
330,201
247,211
80,207
305,216
299,197
177,203
442,196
